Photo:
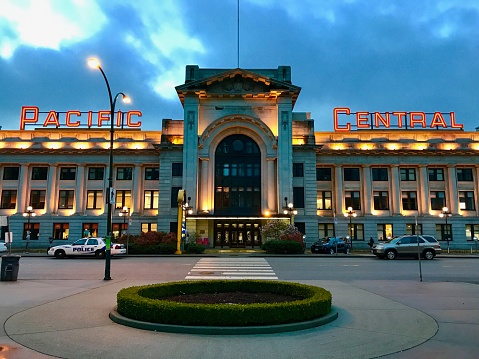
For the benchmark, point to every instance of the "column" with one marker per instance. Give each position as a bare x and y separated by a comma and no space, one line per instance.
271,184
80,189
23,190
423,189
51,194
338,190
395,190
137,190
367,195
203,201
452,197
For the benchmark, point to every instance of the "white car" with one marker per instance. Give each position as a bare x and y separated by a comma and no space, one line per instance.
86,247
3,247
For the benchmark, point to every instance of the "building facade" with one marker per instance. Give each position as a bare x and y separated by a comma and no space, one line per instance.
242,155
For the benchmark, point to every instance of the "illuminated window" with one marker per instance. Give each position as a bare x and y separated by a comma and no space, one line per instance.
123,199
65,199
9,199
151,199
324,200
472,230
90,229
325,230
443,232
31,231
411,228
384,231
11,173
466,200
61,230
148,227
94,199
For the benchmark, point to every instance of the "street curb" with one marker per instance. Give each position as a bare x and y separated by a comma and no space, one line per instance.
212,330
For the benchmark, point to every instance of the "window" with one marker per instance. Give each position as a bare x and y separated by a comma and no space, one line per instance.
325,230
352,199
37,199
384,231
301,227
152,174
298,197
323,174
68,173
9,199
94,199
351,174
357,232
438,200
324,200
436,174
90,229
65,199
11,173
466,200
381,200
123,199
177,169
148,227
61,230
380,173
124,173
464,174
407,174
39,173
409,200
174,196
472,230
31,231
298,170
95,173
151,199
443,232
411,228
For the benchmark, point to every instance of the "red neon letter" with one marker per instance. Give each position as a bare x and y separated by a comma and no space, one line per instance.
336,111
52,119
400,115
23,117
128,118
438,120
421,120
118,119
67,121
362,119
90,119
453,122
103,116
379,118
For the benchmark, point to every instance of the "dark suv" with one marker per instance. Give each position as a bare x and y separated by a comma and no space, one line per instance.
407,245
330,245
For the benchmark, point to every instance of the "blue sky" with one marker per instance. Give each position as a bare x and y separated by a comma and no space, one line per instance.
382,55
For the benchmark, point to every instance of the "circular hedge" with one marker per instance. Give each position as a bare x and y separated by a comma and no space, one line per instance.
149,304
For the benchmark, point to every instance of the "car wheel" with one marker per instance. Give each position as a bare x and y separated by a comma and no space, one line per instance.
60,253
390,254
100,254
428,254
331,251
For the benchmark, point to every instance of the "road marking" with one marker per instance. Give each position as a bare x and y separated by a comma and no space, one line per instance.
232,268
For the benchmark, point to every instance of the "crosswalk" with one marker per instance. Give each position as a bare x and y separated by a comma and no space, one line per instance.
232,268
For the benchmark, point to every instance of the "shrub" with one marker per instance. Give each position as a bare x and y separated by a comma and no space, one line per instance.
150,243
283,247
147,303
273,230
194,248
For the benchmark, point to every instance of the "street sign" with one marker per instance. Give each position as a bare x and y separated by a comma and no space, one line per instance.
111,195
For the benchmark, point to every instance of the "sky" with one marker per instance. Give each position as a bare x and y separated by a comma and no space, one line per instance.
381,55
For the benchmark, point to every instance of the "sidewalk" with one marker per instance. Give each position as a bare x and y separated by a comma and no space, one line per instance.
400,319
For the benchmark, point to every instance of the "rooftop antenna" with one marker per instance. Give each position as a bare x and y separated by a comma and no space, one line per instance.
238,50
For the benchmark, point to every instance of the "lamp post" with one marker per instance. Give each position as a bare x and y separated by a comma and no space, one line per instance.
445,213
289,210
187,210
350,213
125,213
28,213
95,64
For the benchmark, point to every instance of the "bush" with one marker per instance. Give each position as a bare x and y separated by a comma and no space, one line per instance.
146,303
283,247
194,248
150,243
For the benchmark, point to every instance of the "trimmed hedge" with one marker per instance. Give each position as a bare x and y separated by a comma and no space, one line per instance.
282,247
194,248
145,303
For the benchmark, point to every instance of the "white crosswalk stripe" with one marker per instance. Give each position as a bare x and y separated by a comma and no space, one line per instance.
232,268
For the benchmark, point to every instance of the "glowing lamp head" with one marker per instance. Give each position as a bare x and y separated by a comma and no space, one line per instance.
94,63
126,99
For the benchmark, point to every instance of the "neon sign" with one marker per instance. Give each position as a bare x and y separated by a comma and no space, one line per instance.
396,120
75,118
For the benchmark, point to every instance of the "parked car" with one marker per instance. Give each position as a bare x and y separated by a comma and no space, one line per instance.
86,247
330,245
3,247
407,245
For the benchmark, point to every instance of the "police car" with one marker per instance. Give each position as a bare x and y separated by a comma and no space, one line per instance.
86,247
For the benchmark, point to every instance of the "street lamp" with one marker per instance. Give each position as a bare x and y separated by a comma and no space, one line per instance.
95,64
445,213
350,213
125,213
289,210
28,213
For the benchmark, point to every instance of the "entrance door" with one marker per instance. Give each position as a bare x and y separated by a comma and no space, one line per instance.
237,234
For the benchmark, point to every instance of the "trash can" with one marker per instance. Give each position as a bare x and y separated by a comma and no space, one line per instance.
10,266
